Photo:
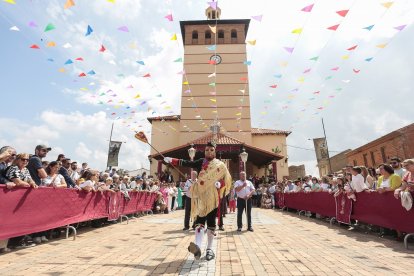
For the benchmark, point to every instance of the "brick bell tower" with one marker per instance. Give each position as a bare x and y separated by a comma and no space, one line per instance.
215,85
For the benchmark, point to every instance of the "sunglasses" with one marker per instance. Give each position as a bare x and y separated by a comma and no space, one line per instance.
394,163
25,159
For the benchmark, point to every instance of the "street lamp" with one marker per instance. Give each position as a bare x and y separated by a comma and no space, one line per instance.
192,153
243,156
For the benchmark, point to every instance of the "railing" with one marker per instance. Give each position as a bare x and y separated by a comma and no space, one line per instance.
383,210
24,211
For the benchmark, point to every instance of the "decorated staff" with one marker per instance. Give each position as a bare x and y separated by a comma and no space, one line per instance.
143,138
214,182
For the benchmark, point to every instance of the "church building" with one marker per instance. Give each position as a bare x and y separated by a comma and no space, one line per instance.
215,105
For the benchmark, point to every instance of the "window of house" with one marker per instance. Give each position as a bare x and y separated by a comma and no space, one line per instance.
384,157
372,158
365,159
195,37
233,36
207,37
220,37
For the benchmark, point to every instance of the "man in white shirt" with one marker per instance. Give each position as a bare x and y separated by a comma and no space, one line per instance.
187,191
358,182
395,163
244,190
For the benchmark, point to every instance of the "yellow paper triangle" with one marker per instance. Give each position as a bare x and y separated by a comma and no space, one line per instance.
62,70
284,63
68,4
238,114
297,31
137,96
174,37
213,100
84,89
252,42
213,29
301,79
112,1
10,1
345,57
186,82
51,44
387,4
214,111
382,46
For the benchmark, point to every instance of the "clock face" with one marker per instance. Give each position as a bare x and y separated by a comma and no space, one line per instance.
216,59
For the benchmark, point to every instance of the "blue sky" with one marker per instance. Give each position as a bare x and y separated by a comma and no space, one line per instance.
63,110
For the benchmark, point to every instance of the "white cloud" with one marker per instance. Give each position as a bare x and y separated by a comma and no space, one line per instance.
82,151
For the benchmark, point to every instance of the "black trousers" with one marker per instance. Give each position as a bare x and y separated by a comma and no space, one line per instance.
223,210
187,212
172,202
241,206
210,219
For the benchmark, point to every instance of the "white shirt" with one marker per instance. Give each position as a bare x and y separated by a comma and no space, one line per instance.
400,172
133,185
385,183
246,190
187,186
87,183
325,186
74,176
48,180
358,183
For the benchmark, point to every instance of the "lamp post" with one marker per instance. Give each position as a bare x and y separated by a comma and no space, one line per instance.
243,156
191,153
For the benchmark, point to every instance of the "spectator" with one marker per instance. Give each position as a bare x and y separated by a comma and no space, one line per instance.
7,155
45,164
89,178
108,185
132,184
395,163
290,187
73,172
35,167
60,157
84,168
18,173
388,181
369,181
113,172
63,170
315,187
358,181
408,179
54,179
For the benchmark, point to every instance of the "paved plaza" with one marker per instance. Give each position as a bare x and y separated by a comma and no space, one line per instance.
282,244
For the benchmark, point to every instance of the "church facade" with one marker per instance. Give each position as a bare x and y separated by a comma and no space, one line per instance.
215,104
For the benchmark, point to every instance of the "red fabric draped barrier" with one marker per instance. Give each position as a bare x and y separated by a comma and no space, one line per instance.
24,211
373,208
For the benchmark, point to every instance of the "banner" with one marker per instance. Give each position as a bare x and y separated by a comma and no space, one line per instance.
24,211
113,152
343,208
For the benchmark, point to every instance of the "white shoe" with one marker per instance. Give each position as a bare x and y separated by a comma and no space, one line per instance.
37,240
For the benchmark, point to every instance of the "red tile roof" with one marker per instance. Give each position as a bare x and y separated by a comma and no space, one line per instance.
165,118
260,131
221,140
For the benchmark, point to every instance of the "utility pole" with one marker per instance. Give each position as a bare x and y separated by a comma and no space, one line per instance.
109,147
327,148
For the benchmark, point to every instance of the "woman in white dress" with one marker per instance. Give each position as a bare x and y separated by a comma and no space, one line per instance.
54,179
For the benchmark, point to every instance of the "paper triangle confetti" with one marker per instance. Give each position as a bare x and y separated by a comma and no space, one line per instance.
174,37
169,17
68,4
343,13
14,28
308,8
89,30
49,27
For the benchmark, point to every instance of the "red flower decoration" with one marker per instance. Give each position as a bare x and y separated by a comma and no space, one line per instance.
201,182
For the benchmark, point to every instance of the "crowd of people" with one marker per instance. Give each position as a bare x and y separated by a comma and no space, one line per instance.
31,170
24,170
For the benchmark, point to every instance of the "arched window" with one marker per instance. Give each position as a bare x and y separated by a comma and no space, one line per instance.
221,37
207,37
195,37
233,36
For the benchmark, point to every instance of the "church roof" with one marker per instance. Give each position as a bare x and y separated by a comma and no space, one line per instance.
263,131
165,118
220,140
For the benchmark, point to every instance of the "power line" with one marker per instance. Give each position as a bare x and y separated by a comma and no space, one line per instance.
296,147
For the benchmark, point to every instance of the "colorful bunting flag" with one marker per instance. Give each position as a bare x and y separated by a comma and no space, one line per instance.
34,46
213,29
400,28
212,47
89,30
51,44
174,37
213,5
169,17
258,17
49,27
343,13
103,49
387,5
140,62
308,8
335,69
345,57
252,42
212,84
333,28
123,29
289,49
68,4
369,28
278,76
212,75
14,28
185,83
297,31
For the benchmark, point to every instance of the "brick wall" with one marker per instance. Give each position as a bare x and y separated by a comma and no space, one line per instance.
399,143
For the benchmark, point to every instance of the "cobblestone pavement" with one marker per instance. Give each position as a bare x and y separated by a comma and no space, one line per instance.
282,244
